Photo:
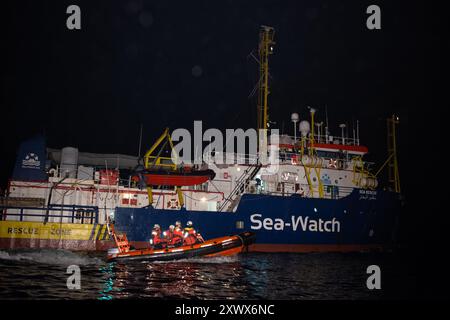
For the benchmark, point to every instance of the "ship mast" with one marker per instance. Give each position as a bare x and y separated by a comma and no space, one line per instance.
266,43
393,174
392,161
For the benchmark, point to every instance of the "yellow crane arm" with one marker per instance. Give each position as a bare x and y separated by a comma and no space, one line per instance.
148,154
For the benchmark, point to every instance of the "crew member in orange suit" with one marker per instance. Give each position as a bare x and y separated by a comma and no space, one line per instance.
156,240
177,234
190,235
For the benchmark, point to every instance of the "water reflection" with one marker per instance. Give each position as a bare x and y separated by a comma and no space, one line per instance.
194,279
249,276
109,286
259,276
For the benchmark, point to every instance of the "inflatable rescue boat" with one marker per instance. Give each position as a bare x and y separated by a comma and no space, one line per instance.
183,177
223,246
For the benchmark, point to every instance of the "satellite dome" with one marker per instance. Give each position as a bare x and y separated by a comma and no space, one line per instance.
304,127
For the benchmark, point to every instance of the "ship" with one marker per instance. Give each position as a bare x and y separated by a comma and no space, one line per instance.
320,196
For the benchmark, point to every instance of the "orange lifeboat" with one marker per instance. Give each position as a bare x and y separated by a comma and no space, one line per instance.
174,178
223,246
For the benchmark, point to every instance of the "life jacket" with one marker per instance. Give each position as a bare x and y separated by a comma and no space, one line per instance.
168,234
177,236
177,232
156,237
190,236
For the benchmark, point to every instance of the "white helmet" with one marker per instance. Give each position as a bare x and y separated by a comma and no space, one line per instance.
156,226
189,223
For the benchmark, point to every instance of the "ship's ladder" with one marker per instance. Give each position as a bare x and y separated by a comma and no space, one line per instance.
358,170
308,178
312,152
317,168
241,185
120,240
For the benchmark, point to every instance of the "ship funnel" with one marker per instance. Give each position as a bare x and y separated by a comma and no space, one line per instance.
69,162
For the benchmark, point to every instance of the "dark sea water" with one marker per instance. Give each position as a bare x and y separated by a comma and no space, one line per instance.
43,274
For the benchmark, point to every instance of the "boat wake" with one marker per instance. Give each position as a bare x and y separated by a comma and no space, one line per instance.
50,256
201,260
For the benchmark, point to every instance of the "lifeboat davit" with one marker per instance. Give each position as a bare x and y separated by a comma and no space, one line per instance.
174,178
223,246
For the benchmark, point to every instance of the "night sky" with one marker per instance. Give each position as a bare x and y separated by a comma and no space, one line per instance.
168,63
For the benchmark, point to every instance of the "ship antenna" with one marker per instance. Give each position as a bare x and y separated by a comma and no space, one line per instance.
266,43
357,130
354,135
140,142
326,128
347,126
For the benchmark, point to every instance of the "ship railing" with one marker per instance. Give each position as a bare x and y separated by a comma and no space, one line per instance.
231,158
322,139
328,162
329,192
92,178
81,176
68,213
